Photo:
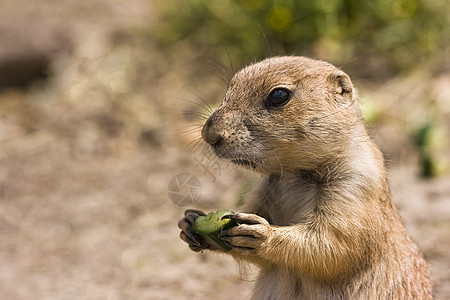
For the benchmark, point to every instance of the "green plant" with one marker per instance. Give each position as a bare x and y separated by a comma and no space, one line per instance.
402,32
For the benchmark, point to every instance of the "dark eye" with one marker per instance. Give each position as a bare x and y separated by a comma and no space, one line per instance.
278,97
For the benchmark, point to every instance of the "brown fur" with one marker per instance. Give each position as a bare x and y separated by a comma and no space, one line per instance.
323,225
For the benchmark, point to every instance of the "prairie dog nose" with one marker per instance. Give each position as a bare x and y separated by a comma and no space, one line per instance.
210,134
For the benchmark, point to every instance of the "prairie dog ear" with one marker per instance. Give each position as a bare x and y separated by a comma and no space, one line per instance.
340,83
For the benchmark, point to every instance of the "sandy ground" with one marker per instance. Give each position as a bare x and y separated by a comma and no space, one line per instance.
76,224
85,161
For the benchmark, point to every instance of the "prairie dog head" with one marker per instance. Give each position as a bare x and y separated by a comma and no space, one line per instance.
284,114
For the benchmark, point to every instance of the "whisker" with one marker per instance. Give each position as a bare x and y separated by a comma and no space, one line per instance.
226,77
230,61
208,108
193,129
265,40
192,146
195,114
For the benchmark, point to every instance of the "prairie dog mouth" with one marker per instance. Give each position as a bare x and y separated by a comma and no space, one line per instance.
244,163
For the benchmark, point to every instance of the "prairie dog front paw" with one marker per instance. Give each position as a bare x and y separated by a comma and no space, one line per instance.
252,234
193,240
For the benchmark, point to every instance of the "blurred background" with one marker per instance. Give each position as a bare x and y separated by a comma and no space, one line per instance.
101,106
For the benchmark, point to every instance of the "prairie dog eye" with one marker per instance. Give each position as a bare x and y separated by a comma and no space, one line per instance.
278,97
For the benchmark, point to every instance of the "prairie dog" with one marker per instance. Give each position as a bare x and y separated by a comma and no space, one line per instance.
323,224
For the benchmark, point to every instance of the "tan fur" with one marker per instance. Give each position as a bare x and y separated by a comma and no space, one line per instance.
323,225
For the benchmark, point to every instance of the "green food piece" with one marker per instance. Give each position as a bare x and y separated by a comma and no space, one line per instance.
209,226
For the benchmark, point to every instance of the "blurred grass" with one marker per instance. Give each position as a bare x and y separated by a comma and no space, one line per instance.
396,35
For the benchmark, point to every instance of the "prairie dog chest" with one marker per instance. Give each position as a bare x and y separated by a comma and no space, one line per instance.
287,201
